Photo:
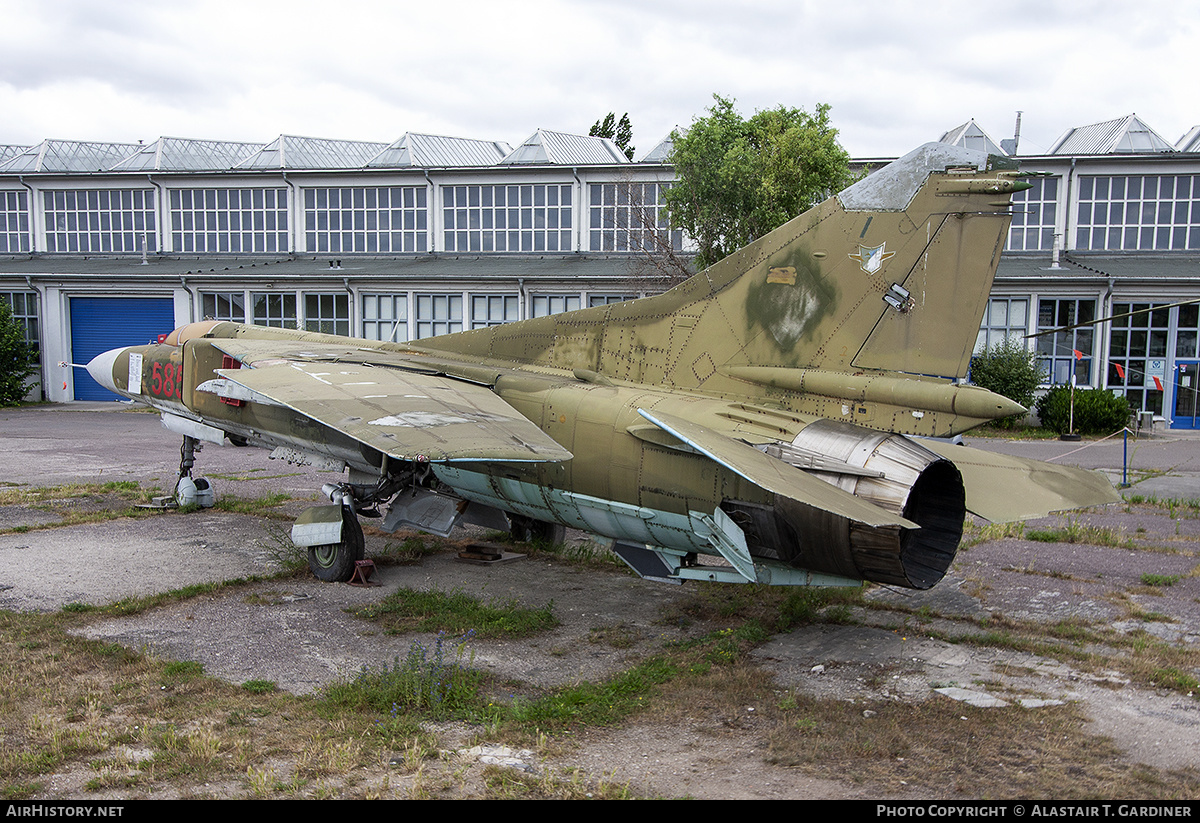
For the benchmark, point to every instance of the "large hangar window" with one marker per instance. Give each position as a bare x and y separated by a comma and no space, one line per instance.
14,222
439,314
630,217
1007,318
274,309
1138,351
507,218
385,317
367,219
608,299
327,313
546,304
229,220
224,306
494,309
1035,211
1067,352
1139,213
100,220
23,305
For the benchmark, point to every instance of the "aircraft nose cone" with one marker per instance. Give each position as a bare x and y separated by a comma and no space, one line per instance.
100,368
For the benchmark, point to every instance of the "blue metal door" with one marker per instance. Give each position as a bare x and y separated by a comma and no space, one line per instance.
1186,385
102,323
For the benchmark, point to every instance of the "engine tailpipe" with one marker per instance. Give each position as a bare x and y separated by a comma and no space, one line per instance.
893,472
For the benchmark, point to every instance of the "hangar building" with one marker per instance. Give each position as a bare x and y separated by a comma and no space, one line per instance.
103,244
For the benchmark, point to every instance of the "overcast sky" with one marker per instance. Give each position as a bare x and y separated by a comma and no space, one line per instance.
896,73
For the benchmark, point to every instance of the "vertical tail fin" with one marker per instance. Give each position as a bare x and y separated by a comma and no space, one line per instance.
891,274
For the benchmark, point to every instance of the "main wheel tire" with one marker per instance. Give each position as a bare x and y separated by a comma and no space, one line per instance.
334,563
528,530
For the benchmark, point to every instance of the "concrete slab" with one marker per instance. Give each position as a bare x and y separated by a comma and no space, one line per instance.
101,563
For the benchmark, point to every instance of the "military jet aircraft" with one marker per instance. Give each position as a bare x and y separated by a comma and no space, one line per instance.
776,412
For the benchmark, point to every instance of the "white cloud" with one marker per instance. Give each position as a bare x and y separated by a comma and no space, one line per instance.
897,74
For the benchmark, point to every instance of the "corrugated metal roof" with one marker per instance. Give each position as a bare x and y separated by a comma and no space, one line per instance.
62,156
1084,265
560,149
291,152
432,151
1190,141
1125,135
179,154
426,267
970,135
660,153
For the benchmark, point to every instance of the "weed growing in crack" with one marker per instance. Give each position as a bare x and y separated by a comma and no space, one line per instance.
435,679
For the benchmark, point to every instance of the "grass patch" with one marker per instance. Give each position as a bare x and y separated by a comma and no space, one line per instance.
436,680
775,608
457,613
1174,506
1096,648
142,725
1015,432
260,686
131,724
618,636
74,504
593,704
1160,579
79,503
135,605
974,533
264,506
34,495
251,476
1075,531
506,784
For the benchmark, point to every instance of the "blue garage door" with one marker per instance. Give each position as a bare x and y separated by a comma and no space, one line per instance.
102,323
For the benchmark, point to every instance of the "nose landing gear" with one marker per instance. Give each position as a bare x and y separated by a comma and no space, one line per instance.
192,491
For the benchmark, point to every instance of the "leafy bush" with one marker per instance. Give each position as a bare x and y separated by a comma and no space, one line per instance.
18,360
1010,370
1097,411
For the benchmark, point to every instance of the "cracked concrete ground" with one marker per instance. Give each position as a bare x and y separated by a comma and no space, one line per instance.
299,634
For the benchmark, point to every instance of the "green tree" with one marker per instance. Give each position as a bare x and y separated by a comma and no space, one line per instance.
738,179
18,359
618,131
1009,369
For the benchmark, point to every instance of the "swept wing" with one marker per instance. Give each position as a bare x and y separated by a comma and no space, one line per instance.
1003,488
406,415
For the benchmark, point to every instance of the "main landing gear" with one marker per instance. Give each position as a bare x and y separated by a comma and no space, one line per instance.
332,534
334,562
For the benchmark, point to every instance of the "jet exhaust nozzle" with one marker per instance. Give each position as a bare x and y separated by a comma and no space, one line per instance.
891,471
